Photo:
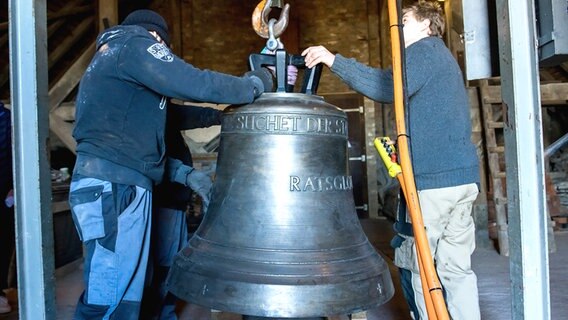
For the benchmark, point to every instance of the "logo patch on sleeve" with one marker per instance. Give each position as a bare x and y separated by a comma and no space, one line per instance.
161,52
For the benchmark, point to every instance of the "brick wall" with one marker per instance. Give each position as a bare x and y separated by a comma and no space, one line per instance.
218,35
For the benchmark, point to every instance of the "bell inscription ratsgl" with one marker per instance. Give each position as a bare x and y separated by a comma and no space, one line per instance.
281,237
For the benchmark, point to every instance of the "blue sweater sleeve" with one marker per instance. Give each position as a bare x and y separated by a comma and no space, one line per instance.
156,67
374,83
378,84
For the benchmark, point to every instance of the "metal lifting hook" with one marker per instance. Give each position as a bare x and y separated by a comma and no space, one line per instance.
260,22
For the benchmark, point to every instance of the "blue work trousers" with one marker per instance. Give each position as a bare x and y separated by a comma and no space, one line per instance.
113,221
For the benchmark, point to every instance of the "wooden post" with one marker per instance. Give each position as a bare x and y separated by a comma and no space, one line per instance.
108,9
176,30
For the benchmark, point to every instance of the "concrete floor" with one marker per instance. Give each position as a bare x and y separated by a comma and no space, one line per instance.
491,268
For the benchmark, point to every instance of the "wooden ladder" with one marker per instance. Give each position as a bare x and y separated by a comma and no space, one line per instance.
493,125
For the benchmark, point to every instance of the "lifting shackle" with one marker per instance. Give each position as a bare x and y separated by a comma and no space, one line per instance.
273,28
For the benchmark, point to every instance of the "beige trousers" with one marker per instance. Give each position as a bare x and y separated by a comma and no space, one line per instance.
451,235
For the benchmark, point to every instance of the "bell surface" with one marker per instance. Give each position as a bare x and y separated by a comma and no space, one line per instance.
281,237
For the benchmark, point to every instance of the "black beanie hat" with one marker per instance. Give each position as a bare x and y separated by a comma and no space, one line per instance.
151,21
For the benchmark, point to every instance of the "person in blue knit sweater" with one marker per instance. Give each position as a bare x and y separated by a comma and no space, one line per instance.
444,159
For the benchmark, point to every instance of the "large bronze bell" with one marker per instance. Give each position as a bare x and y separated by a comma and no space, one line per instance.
281,237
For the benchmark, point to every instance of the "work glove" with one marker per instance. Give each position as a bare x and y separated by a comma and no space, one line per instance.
262,80
199,181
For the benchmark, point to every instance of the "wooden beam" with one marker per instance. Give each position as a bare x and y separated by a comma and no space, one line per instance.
55,25
65,12
384,35
108,9
373,26
3,40
175,34
550,93
546,75
66,111
5,74
188,50
63,130
60,90
72,38
554,93
564,66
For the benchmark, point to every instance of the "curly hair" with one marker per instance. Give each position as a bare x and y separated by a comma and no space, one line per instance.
430,10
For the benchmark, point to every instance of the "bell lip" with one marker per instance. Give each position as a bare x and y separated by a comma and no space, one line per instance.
220,294
255,292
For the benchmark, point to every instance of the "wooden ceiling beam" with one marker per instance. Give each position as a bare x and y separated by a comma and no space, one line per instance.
175,34
63,13
60,90
72,38
550,93
63,130
57,24
108,9
52,28
564,66
5,74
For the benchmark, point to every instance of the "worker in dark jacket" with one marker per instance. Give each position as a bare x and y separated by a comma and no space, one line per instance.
119,129
170,201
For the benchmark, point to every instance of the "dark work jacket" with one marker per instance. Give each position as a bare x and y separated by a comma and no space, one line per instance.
121,104
170,194
6,180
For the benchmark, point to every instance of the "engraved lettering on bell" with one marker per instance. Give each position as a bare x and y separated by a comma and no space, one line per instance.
285,124
320,184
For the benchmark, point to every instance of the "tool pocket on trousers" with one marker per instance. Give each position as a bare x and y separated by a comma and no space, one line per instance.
123,196
404,255
103,277
87,211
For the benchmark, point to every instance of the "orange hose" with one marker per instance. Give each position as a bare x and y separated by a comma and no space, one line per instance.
427,297
426,265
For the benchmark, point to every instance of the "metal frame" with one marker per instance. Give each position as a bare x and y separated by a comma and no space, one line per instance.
524,153
32,183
